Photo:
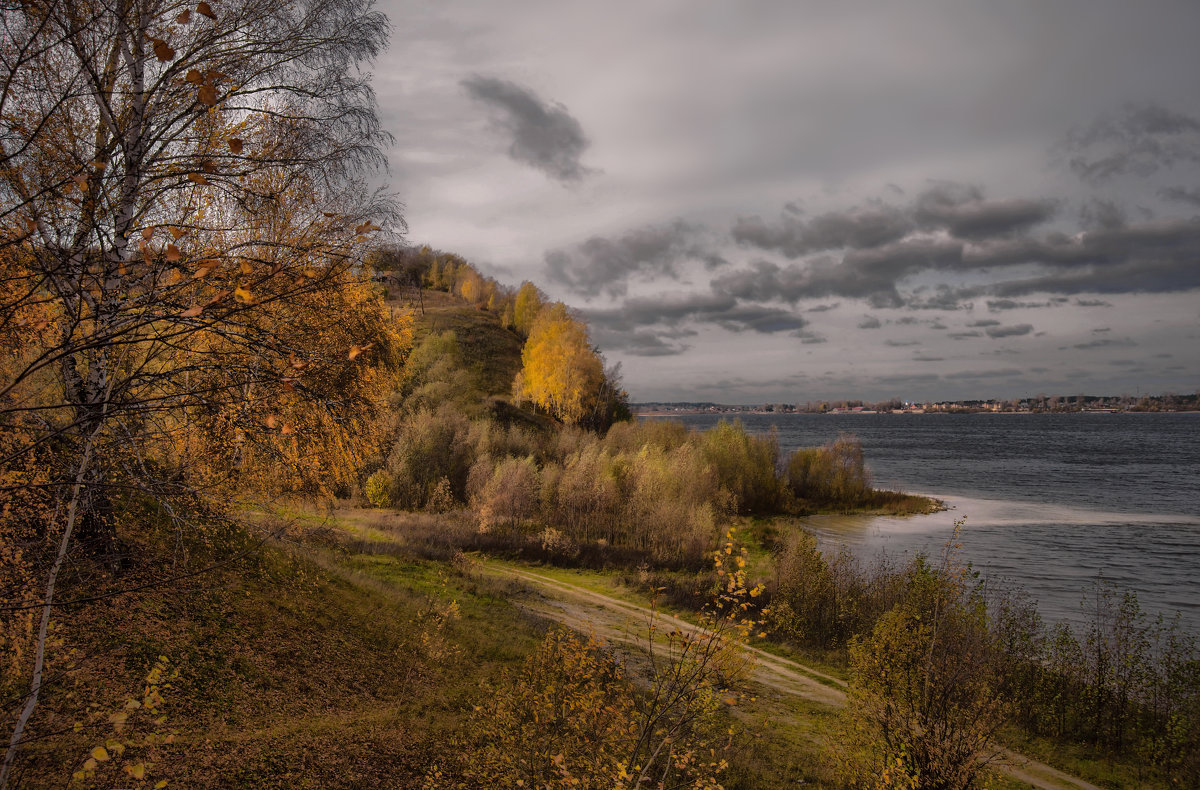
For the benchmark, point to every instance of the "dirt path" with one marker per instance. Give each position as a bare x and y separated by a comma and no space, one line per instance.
621,622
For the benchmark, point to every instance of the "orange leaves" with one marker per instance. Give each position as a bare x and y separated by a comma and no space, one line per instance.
194,77
198,178
366,227
246,268
204,9
206,268
235,145
173,253
356,351
177,233
184,17
243,295
192,311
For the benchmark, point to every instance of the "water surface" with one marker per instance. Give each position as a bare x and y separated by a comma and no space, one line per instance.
1052,501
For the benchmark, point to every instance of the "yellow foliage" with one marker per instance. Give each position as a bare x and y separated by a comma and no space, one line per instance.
562,373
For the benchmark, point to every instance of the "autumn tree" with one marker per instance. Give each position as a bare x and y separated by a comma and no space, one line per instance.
526,308
560,373
182,191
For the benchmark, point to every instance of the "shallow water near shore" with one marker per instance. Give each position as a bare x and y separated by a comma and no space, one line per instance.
1052,502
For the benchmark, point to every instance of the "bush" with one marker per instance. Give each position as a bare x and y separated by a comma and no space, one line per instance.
379,489
830,475
745,465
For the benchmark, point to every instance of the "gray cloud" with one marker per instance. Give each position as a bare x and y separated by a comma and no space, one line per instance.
985,322
996,305
601,265
1009,331
719,309
1092,303
870,322
1104,342
964,335
857,228
963,211
1181,195
1140,139
926,358
901,343
544,135
1007,373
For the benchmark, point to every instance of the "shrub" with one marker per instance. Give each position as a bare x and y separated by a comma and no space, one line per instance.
379,489
511,495
745,465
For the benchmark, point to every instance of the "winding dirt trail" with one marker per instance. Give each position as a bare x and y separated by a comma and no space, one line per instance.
620,622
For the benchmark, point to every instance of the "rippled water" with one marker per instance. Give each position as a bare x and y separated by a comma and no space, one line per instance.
1051,500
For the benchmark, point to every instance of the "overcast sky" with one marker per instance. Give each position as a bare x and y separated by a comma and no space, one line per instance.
791,201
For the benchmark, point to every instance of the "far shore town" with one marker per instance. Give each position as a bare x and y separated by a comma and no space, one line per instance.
1037,404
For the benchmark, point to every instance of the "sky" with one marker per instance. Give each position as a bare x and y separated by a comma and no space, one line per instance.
787,201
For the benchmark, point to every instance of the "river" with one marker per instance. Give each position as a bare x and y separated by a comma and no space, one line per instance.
1052,502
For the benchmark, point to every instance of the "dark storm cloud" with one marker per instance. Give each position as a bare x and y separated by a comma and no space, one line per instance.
543,134
602,265
1140,140
1009,331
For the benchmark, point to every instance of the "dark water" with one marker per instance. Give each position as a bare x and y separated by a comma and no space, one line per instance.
1052,501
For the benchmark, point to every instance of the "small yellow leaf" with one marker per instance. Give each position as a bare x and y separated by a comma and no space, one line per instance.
235,145
245,268
90,764
100,754
160,784
204,9
243,295
198,178
136,771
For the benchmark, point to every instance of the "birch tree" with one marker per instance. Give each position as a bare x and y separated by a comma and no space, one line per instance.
182,188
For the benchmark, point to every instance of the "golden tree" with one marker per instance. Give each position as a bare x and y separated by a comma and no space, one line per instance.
180,234
561,373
